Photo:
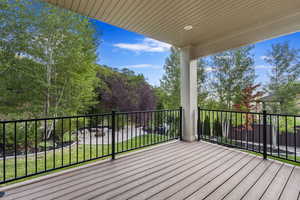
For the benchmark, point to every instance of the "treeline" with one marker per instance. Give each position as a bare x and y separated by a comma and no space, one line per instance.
48,66
228,80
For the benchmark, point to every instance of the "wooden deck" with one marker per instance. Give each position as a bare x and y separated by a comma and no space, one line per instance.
171,171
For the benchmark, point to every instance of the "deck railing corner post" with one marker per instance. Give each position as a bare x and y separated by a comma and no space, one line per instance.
198,124
265,134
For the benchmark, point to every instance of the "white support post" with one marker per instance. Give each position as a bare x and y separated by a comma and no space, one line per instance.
188,75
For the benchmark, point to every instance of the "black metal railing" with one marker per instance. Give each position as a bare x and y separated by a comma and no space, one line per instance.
274,135
35,146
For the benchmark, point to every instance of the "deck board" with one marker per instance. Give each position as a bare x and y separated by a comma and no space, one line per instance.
278,183
292,189
222,185
174,171
263,183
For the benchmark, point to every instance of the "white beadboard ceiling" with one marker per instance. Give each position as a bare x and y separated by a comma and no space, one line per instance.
217,24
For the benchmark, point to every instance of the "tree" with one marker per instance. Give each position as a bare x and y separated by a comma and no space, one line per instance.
247,103
233,70
170,82
123,91
248,97
201,81
285,72
47,60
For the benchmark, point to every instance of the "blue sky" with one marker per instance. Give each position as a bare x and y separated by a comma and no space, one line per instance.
121,48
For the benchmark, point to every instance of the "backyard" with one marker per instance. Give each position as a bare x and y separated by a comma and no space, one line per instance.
70,155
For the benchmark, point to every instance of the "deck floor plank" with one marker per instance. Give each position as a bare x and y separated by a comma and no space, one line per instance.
243,186
277,185
184,186
182,171
220,189
149,192
108,178
124,162
173,171
263,183
138,177
235,163
105,172
292,188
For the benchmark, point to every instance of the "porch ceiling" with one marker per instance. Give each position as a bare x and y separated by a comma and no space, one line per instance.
217,24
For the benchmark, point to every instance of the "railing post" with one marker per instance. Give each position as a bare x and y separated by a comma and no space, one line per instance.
265,134
180,120
198,123
113,130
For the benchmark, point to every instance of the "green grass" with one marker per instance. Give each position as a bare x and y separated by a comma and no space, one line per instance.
85,152
283,159
276,158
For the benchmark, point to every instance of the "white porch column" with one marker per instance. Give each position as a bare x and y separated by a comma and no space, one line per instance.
188,76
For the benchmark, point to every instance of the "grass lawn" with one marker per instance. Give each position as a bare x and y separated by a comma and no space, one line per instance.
276,158
69,156
237,144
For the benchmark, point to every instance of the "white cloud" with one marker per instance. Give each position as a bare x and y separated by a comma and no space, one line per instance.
223,57
146,45
141,66
209,69
263,57
263,67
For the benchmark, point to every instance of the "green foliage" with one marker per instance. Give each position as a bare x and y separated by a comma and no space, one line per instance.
169,95
122,90
47,60
233,70
15,134
47,69
206,127
283,79
217,128
170,81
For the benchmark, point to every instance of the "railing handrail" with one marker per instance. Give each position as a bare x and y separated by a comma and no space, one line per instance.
245,112
54,118
84,115
145,111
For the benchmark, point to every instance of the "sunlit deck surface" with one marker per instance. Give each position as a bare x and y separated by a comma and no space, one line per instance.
175,170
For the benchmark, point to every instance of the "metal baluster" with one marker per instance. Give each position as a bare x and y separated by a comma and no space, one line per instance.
286,140
70,141
26,149
15,145
62,142
35,136
45,144
4,152
54,164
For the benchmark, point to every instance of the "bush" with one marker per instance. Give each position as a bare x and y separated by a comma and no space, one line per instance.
206,127
217,128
